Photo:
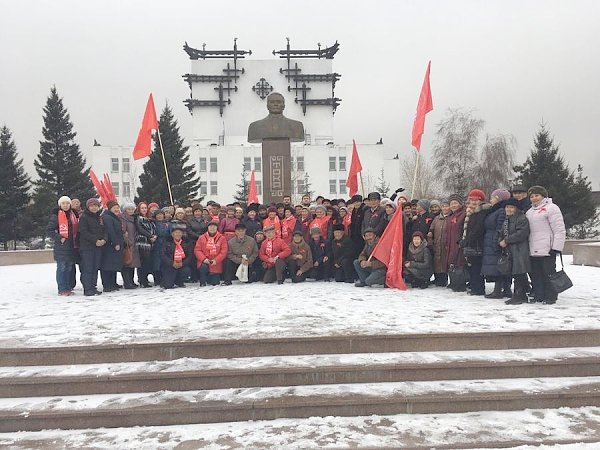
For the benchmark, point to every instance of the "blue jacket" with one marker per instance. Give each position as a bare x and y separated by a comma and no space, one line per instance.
112,259
492,232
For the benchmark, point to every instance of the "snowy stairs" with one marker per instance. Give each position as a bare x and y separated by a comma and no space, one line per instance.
261,379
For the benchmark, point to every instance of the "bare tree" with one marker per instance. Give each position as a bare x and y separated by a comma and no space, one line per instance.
455,149
427,185
496,161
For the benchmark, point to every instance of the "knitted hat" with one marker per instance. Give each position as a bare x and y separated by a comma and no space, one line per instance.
92,201
338,227
435,203
476,194
111,204
271,209
392,204
419,234
424,203
537,190
314,231
457,198
321,208
64,198
512,202
501,194
127,205
444,201
153,205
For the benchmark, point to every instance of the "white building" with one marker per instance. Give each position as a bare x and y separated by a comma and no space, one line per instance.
228,91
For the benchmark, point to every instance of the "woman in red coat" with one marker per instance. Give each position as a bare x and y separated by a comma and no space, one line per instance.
210,251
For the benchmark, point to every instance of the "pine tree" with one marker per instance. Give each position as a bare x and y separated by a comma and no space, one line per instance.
59,164
184,180
14,191
546,167
382,187
241,194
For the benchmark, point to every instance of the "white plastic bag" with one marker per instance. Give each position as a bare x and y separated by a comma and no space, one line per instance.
242,272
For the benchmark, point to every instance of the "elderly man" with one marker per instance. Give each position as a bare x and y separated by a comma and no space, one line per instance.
242,249
370,270
273,253
374,216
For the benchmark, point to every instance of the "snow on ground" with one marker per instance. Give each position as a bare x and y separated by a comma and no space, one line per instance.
397,431
31,314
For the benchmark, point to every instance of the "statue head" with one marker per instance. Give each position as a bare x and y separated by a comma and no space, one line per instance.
275,103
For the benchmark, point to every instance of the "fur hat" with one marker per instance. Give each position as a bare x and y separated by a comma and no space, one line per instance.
92,201
314,231
519,188
476,194
127,205
374,196
512,202
338,227
391,204
501,194
435,203
538,190
424,203
356,198
111,204
64,198
298,233
368,230
321,208
457,198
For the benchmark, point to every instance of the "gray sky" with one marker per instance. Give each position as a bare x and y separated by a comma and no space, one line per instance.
514,61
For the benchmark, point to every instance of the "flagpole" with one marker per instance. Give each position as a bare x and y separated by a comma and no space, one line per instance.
162,150
412,192
362,186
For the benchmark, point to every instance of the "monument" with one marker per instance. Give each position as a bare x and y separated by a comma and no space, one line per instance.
275,132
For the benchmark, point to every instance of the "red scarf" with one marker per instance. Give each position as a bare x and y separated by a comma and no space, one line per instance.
178,254
211,246
269,247
289,223
63,224
322,223
275,222
347,220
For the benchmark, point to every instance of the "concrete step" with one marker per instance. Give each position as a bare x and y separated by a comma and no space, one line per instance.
229,348
485,429
199,374
230,405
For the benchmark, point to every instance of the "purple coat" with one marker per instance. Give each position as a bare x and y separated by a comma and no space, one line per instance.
547,228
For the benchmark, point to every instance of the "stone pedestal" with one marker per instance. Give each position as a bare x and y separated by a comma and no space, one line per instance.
277,170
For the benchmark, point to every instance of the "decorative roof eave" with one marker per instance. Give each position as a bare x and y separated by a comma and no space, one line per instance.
195,53
327,53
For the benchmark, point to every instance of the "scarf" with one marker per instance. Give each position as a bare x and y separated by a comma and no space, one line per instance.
179,253
275,222
322,223
289,224
269,247
211,246
63,225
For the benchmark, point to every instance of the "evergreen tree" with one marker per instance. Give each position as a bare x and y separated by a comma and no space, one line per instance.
60,165
14,191
183,177
382,187
546,167
241,194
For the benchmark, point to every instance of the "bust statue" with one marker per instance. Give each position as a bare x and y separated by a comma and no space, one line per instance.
275,125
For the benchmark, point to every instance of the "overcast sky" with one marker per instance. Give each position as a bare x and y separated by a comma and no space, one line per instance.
515,62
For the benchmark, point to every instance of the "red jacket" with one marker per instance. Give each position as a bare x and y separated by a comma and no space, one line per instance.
279,248
219,253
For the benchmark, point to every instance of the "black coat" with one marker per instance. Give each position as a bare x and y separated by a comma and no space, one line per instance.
421,223
252,226
91,229
320,249
112,259
168,252
196,228
355,229
374,219
475,229
63,251
342,250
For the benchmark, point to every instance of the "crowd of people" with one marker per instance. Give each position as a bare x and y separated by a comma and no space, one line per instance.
453,242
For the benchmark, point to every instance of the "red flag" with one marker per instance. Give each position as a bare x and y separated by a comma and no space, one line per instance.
389,250
355,167
143,144
108,188
252,195
423,107
99,188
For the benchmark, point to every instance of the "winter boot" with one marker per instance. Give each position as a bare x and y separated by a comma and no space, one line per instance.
497,293
518,297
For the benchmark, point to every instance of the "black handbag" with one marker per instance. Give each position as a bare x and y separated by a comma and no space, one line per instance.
505,263
458,278
560,281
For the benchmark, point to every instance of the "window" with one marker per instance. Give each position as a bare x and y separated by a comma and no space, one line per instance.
332,186
258,164
259,187
202,165
203,190
213,164
342,186
300,187
342,163
332,164
126,167
126,189
247,164
115,186
114,164
213,188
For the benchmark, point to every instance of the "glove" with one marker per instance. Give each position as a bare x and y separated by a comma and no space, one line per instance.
399,190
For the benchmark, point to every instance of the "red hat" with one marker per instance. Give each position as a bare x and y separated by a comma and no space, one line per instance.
271,209
153,205
476,194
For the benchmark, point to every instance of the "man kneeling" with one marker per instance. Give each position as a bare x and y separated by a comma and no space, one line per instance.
175,260
369,269
242,250
300,261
